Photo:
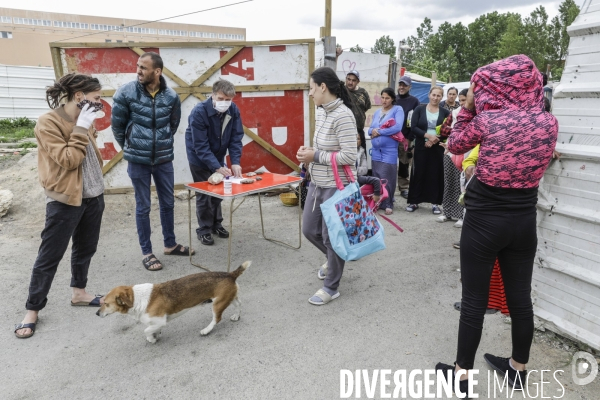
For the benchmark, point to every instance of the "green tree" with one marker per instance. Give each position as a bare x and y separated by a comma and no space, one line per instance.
559,38
536,34
357,49
512,41
418,44
385,45
448,67
456,51
484,35
450,40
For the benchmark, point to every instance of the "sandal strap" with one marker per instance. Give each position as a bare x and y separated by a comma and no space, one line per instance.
151,256
150,261
30,325
323,295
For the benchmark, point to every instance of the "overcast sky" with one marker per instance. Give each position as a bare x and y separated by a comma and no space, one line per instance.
354,21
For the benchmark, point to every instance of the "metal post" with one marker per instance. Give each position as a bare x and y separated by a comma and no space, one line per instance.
394,73
328,40
330,57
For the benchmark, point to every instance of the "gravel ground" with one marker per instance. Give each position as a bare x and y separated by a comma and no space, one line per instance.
395,312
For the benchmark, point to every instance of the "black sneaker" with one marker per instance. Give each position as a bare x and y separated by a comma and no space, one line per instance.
222,232
517,379
404,193
445,368
458,305
206,239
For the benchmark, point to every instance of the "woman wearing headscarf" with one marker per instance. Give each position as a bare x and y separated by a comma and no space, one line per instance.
504,114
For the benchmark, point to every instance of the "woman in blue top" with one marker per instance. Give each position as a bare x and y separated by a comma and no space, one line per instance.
384,152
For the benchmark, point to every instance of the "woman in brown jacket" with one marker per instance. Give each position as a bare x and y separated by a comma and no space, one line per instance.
70,171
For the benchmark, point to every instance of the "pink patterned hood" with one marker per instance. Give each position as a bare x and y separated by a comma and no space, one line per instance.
517,137
514,82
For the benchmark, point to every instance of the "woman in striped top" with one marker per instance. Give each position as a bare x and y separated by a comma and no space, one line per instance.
335,132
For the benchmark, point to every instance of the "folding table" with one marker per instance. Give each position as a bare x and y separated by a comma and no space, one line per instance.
269,181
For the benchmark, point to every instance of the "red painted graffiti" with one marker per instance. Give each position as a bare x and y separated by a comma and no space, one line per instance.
103,61
264,114
108,151
104,122
238,64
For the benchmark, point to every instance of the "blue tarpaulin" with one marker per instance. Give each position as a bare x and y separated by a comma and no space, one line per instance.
421,90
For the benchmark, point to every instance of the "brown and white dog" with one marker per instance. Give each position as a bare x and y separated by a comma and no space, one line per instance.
155,304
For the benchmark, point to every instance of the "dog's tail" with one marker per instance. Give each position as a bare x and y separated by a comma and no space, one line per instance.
240,270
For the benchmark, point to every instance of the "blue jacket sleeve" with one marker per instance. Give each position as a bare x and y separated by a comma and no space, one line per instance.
235,142
119,117
175,116
374,122
398,116
199,132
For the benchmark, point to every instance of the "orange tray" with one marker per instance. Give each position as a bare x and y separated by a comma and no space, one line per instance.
269,181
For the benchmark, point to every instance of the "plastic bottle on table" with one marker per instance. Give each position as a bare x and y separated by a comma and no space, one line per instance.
227,189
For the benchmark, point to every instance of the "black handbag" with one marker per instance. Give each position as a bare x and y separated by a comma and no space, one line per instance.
302,190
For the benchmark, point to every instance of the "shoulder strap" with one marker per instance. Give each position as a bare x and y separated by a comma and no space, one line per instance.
391,222
347,171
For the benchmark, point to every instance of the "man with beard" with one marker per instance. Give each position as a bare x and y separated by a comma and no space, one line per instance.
362,103
145,117
408,104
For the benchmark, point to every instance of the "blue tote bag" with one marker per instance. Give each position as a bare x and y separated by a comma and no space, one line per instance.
354,231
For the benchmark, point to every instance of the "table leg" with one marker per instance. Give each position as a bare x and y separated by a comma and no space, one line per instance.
190,229
262,225
231,210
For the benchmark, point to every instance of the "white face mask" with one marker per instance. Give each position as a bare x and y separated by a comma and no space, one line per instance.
221,106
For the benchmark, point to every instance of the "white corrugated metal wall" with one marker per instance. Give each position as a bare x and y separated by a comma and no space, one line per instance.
566,281
23,91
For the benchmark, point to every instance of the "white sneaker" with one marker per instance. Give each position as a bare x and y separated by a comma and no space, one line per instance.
458,223
441,218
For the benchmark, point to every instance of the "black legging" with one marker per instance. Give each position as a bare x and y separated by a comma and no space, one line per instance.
510,236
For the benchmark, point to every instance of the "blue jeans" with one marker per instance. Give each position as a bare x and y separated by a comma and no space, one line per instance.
64,223
164,179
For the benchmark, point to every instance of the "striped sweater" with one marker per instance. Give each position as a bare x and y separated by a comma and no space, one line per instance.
335,132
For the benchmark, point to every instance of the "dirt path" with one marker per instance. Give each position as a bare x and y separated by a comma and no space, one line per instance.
395,312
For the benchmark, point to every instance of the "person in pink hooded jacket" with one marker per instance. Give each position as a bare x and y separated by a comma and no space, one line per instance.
504,114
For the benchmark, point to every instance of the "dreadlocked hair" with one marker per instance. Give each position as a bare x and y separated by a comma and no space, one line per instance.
68,85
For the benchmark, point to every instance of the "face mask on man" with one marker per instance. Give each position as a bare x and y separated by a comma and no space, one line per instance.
221,106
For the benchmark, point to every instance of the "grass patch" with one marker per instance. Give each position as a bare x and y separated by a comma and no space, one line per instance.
28,145
15,129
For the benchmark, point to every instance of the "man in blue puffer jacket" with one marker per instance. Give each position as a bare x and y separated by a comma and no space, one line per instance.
145,117
214,127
